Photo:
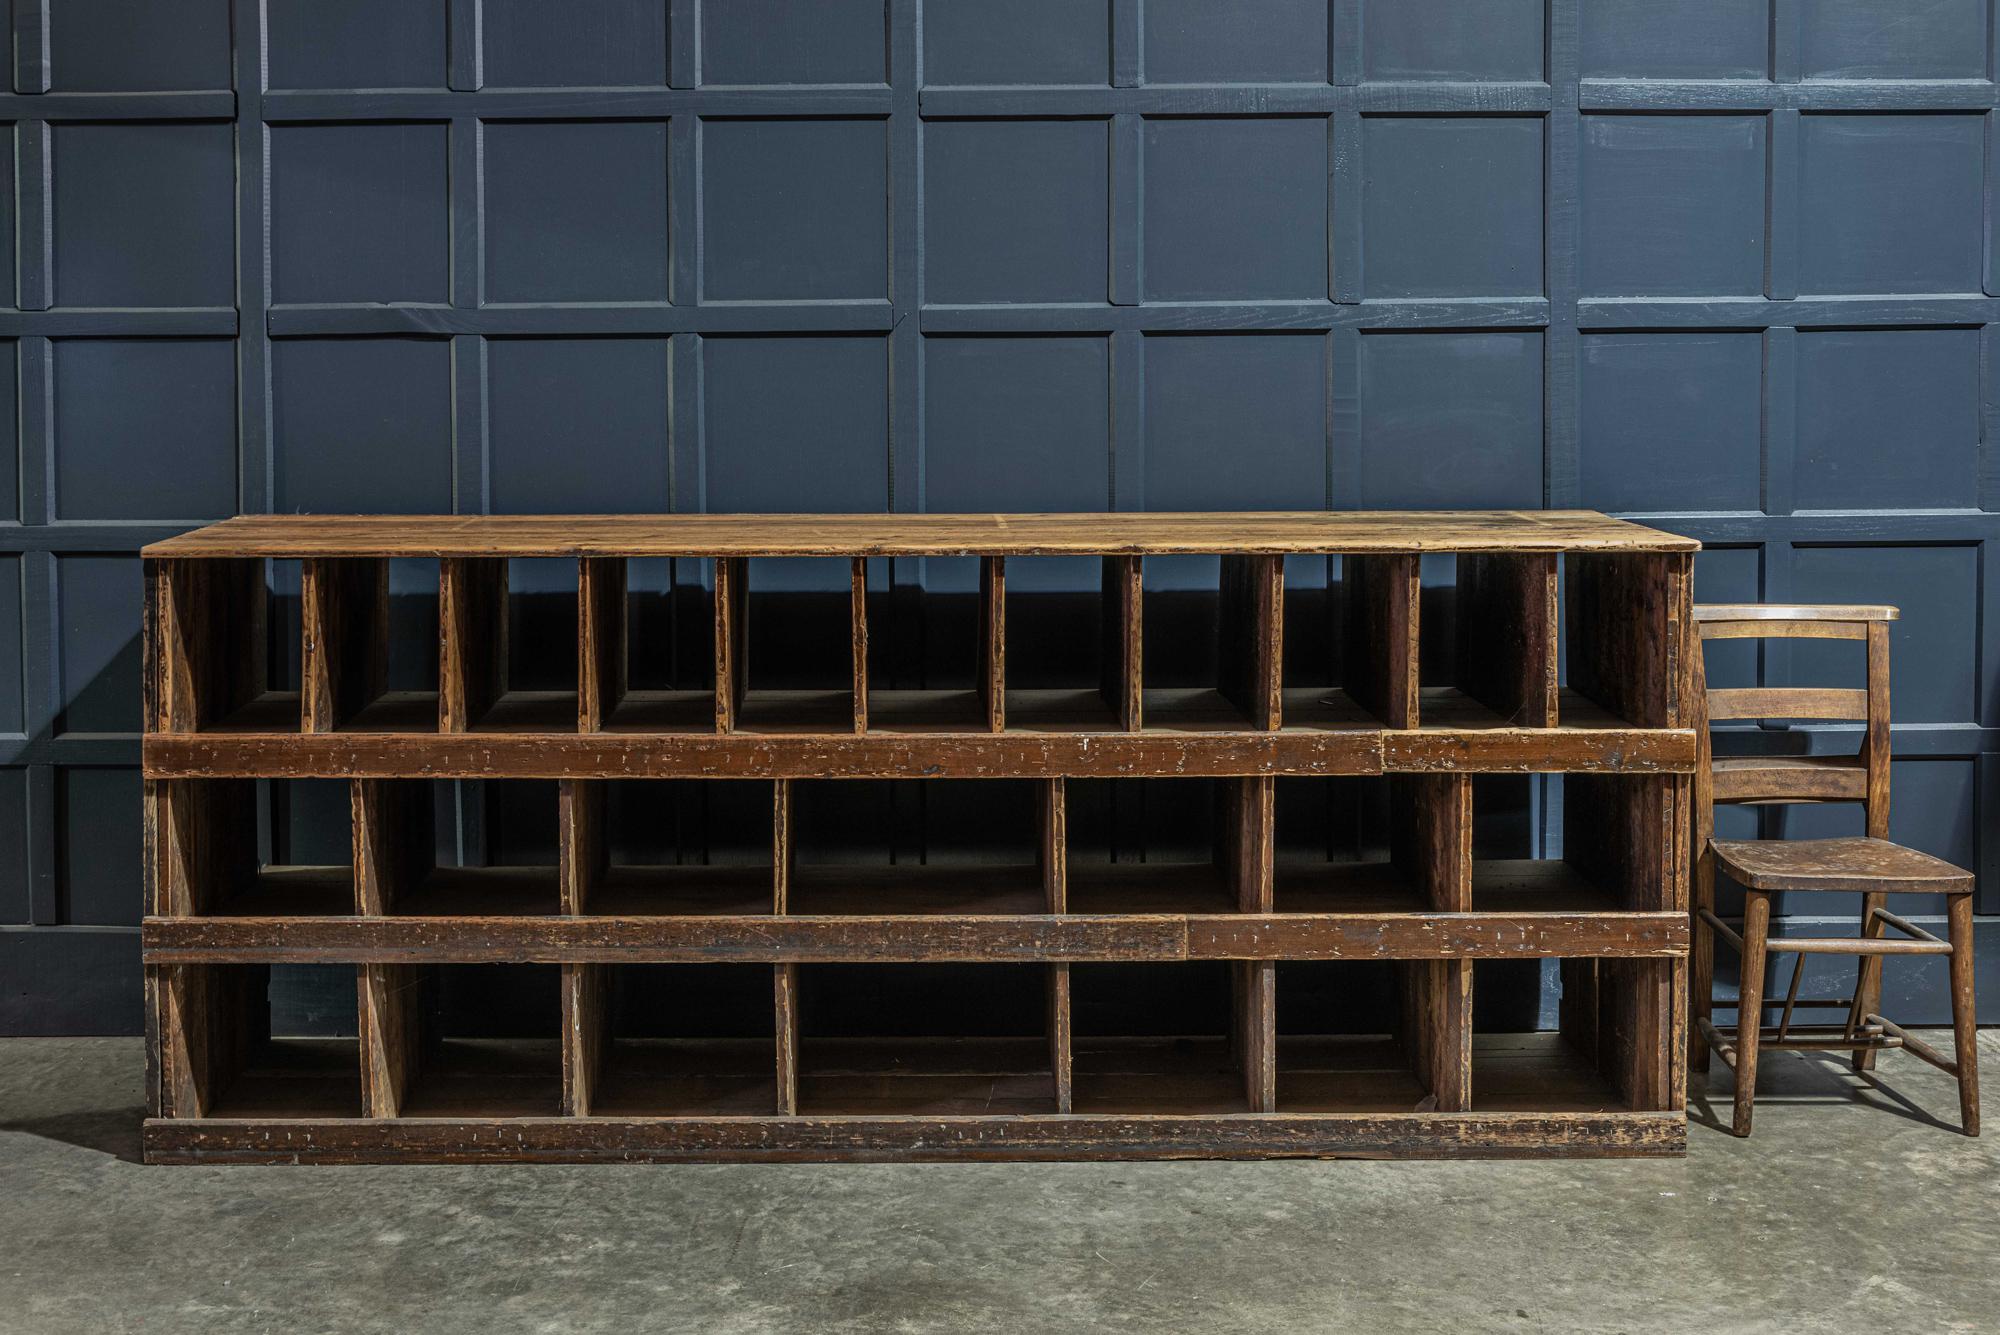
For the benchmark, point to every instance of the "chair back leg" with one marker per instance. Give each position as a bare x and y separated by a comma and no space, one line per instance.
1964,1020
1868,977
1701,965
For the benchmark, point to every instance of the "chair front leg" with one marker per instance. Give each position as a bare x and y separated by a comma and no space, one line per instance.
1750,1003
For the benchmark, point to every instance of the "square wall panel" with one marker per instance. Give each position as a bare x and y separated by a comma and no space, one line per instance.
9,199
793,41
1449,39
13,712
1933,648
795,424
1449,421
1235,209
1888,419
362,425
99,882
138,46
1911,39
576,211
1673,206
145,428
1451,207
1728,575
1017,41
15,907
1016,211
1671,421
358,213
1236,422
577,425
1199,41
1017,424
98,611
145,214
356,43
575,44
1891,203
795,210
10,435
1675,39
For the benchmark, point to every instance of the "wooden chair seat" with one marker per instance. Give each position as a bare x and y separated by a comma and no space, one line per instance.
1857,865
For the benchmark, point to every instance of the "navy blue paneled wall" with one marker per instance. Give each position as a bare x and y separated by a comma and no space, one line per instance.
1728,264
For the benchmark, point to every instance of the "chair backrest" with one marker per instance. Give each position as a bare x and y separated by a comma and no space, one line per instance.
1863,777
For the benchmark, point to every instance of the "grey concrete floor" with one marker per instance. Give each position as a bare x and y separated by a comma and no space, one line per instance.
1856,1206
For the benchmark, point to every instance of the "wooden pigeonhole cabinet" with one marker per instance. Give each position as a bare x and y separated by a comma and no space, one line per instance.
1219,993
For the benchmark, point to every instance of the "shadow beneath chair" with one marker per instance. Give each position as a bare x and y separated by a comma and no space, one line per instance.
112,1131
1783,1079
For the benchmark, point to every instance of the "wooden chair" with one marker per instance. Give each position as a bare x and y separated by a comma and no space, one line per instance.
1872,866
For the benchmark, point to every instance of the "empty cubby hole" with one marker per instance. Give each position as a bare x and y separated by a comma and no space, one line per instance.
252,847
1617,610
257,1040
657,847
446,848
1372,844
462,1040
1163,845
936,656
1212,633
367,652
671,1040
1157,1038
1573,842
229,645
1365,1035
1069,622
791,643
647,639
918,846
1572,1035
924,1039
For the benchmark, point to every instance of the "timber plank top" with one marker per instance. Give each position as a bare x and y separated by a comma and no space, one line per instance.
1262,534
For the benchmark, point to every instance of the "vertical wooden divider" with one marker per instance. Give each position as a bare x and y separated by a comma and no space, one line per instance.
1507,635
1247,847
208,653
732,640
993,641
392,1000
344,614
472,639
1431,841
393,841
581,857
1053,860
857,620
785,977
1383,594
1251,628
601,640
1121,670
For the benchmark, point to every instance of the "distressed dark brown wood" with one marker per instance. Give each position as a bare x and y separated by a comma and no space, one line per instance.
1870,865
1614,913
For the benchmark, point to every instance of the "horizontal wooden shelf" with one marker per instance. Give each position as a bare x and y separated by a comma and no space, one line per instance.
1404,933
1268,533
886,756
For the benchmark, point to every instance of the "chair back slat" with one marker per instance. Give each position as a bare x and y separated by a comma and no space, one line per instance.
1813,702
